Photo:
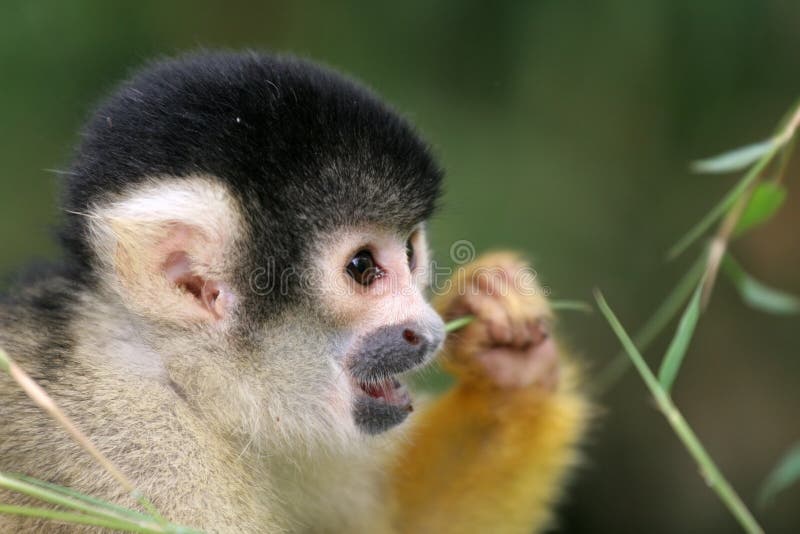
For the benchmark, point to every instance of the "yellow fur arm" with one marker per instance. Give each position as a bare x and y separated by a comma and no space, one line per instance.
491,454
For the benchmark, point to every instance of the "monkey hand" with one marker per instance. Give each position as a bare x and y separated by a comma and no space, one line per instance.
517,396
508,344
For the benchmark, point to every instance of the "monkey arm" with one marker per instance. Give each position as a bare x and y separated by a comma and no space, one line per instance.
487,461
491,455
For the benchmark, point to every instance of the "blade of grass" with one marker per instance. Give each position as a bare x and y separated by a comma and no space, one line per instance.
673,358
68,492
655,324
708,468
53,497
72,517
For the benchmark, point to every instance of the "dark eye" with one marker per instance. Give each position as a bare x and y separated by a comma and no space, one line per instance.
410,256
363,269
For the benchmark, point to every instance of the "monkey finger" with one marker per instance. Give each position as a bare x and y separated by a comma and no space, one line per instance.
494,315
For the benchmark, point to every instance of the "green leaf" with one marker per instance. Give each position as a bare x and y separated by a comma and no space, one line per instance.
765,202
673,358
786,473
719,210
758,295
735,160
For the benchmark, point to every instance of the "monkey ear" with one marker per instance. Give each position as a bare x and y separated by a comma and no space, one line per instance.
167,251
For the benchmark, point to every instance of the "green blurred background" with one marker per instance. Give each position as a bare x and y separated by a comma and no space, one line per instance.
566,128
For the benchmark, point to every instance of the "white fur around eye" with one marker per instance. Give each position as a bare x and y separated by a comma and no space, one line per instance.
393,298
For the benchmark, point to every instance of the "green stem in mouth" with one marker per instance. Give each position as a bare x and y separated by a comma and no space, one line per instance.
571,305
457,324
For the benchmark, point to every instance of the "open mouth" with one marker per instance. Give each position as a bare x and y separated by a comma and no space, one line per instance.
389,391
380,404
381,401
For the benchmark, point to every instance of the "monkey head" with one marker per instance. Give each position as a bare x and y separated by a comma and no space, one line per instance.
259,222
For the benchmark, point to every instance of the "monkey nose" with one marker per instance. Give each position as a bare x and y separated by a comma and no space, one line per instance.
421,336
410,341
396,348
411,336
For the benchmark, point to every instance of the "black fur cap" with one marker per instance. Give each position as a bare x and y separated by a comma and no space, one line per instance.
303,148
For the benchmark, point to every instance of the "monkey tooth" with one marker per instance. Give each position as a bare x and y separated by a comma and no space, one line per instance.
389,390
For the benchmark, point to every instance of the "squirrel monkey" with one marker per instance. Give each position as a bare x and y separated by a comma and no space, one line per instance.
241,296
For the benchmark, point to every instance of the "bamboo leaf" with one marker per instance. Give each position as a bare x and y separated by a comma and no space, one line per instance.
765,202
785,473
758,295
735,160
673,358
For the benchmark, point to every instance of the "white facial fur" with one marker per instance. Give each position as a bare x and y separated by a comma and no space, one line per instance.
290,393
346,312
393,298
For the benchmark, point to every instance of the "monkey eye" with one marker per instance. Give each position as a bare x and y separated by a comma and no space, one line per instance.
410,256
363,269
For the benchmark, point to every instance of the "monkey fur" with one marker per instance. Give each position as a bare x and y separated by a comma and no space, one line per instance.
243,281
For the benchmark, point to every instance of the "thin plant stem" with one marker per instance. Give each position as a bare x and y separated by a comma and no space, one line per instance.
784,142
712,475
719,244
722,207
666,312
457,324
45,495
61,490
72,517
46,403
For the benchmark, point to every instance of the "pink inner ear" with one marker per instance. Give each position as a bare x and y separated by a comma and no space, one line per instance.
178,270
